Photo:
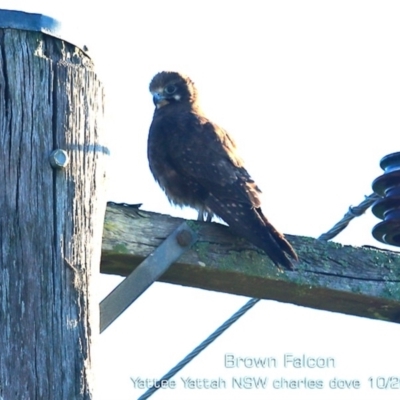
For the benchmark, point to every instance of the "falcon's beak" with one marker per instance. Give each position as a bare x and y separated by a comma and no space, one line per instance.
159,100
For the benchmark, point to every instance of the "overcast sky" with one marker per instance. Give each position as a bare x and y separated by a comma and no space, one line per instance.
310,90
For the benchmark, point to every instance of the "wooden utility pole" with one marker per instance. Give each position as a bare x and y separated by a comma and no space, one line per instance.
51,213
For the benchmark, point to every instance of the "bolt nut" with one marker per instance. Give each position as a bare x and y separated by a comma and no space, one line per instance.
184,238
59,159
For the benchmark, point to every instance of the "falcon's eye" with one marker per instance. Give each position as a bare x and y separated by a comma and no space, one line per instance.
170,89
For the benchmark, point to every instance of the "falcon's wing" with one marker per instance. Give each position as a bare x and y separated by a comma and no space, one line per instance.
207,154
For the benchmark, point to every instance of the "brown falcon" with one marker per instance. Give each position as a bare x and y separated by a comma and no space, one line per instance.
196,163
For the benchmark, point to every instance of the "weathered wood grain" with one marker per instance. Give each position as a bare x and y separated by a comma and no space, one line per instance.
357,281
50,220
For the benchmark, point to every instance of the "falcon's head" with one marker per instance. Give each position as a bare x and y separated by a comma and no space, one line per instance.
172,87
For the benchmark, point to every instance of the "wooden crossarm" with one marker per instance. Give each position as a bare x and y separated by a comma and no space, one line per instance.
358,281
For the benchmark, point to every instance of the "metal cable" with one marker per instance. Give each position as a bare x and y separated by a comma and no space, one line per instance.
352,213
200,348
339,227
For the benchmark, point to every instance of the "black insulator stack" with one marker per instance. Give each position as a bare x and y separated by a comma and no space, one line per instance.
388,207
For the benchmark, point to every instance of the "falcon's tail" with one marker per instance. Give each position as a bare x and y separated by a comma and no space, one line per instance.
278,248
252,225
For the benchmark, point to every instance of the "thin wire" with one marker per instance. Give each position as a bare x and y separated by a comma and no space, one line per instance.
352,213
200,347
342,224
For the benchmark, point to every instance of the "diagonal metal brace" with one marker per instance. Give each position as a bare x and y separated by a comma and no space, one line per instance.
145,274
